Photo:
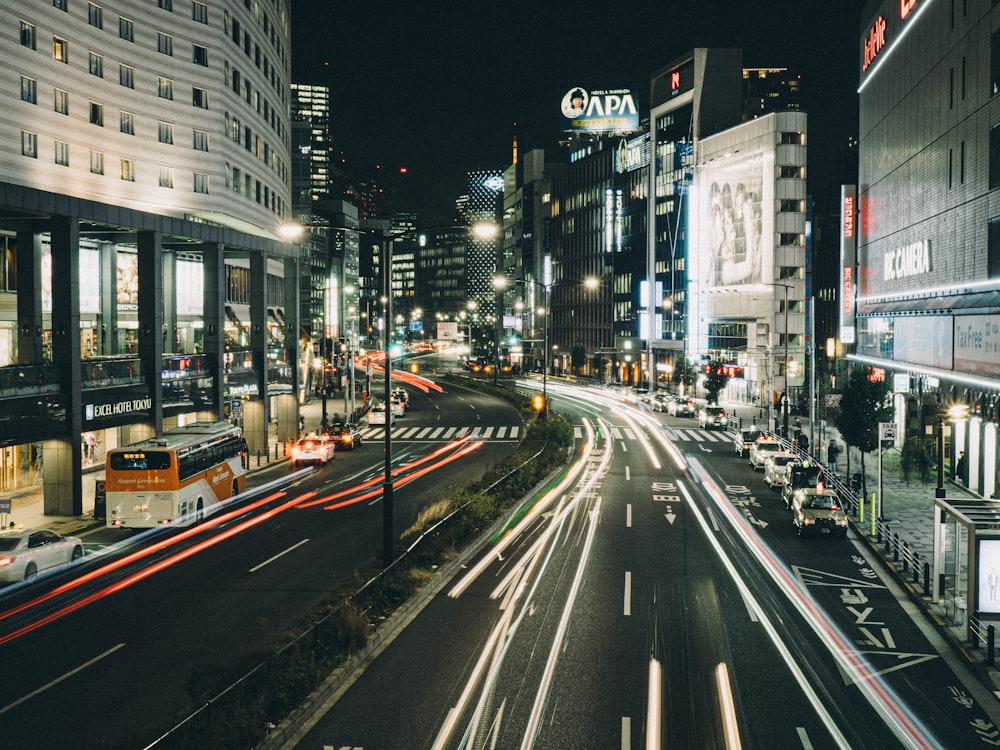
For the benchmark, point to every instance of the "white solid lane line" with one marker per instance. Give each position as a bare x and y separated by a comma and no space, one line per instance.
272,559
59,679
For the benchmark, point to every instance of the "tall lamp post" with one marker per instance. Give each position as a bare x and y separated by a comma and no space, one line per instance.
482,229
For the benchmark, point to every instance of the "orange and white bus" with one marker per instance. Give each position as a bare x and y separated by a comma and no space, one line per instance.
174,477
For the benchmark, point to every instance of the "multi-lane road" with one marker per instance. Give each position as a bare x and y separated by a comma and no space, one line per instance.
113,652
655,596
659,597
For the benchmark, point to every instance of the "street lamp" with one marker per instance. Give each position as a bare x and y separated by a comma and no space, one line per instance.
481,229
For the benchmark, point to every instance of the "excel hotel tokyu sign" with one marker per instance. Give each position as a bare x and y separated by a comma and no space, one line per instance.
599,110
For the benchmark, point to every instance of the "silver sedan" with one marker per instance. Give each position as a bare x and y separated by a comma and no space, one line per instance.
26,552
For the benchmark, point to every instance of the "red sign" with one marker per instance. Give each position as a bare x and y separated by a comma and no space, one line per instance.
675,80
905,6
875,41
848,215
848,296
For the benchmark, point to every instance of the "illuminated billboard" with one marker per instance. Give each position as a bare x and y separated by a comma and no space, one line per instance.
736,237
599,110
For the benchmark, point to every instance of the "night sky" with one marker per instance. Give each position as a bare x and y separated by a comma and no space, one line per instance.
441,88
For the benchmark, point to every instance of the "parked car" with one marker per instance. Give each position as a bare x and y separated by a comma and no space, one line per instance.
745,439
346,434
804,475
818,511
311,449
712,417
26,552
681,406
777,466
760,450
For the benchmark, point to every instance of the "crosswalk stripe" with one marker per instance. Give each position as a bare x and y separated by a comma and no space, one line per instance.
487,433
437,433
616,433
424,433
629,434
577,433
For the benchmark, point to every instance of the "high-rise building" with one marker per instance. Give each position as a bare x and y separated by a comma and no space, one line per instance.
143,176
922,294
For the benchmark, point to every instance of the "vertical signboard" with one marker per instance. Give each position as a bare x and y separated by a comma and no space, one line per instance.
848,260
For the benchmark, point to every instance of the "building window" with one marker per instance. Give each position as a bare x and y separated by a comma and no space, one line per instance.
961,163
794,139
96,162
995,63
166,177
199,98
951,88
62,5
166,4
96,114
789,239
237,86
992,251
61,104
994,157
126,76
126,29
788,205
164,43
237,130
95,15
200,140
963,79
790,172
237,180
128,170
96,65
62,153
199,55
199,12
166,132
127,123
60,49
29,90
200,182
27,35
165,88
29,144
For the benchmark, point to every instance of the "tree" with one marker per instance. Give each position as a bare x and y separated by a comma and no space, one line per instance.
684,373
715,381
865,403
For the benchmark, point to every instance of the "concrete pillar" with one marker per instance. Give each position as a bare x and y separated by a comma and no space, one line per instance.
287,405
151,319
257,419
29,297
63,456
170,303
214,316
108,317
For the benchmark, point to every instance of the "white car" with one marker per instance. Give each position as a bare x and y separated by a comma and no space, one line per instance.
377,415
777,466
26,552
398,407
760,450
313,449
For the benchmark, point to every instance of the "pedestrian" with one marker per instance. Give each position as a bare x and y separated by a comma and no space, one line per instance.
960,469
832,453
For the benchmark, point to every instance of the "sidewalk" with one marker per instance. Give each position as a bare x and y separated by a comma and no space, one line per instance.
28,507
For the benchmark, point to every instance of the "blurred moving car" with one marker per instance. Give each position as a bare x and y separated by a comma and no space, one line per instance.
681,406
777,466
712,417
400,393
745,439
818,510
312,449
760,450
26,552
660,401
397,406
346,434
376,415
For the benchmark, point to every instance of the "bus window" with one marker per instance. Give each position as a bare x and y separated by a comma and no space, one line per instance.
140,460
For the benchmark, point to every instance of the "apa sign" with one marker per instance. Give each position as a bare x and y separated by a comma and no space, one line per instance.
599,110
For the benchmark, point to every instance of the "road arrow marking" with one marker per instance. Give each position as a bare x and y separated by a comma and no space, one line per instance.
671,516
813,577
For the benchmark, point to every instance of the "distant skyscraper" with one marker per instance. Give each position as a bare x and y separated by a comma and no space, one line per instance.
483,204
312,146
767,90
